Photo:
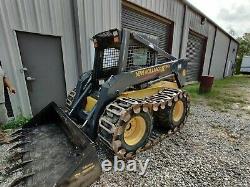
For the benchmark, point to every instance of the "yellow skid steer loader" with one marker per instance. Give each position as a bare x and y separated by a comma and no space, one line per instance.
131,100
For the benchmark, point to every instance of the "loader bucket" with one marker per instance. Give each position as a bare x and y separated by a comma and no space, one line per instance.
54,152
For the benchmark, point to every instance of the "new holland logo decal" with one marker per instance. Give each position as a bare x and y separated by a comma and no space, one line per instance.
152,71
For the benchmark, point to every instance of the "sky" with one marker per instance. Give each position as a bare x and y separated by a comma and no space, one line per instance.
229,14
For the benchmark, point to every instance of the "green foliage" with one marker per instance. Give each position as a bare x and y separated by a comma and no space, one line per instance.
244,49
15,123
225,93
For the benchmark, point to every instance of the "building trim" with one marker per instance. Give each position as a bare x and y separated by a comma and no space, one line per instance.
171,39
35,32
183,30
229,46
212,54
203,57
77,35
197,34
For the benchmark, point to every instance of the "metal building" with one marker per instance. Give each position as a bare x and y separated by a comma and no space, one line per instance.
46,44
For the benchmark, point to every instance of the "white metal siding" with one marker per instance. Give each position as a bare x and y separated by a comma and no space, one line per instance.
95,16
220,55
49,17
210,42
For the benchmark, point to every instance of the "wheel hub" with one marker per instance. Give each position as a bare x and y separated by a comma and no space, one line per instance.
178,111
134,130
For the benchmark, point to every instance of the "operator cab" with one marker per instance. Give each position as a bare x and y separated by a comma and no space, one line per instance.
117,51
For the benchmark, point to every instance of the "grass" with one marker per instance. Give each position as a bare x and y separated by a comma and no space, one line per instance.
225,93
15,123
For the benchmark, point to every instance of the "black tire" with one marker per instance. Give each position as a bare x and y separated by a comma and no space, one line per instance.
149,126
164,117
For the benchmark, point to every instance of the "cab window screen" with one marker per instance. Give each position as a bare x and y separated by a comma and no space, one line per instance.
140,57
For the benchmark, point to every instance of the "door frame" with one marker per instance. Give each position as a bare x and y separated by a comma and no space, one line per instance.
8,103
24,83
141,10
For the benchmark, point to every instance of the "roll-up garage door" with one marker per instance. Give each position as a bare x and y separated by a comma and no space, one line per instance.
140,21
195,53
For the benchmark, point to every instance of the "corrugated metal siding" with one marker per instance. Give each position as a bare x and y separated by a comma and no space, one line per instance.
171,9
49,17
95,16
231,59
220,55
210,41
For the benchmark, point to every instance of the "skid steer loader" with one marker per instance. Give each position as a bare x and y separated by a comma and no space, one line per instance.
131,100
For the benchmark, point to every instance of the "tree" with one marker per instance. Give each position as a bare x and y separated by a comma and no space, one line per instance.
244,49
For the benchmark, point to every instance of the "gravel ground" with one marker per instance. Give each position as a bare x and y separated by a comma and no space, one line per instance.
213,149
4,155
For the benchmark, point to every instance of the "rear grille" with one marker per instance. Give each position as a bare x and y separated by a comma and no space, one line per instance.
110,58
